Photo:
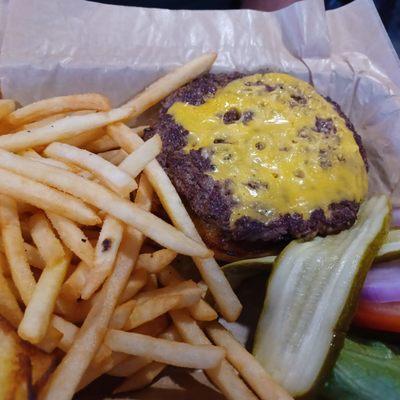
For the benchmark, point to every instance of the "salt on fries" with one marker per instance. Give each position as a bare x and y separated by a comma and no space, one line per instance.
73,274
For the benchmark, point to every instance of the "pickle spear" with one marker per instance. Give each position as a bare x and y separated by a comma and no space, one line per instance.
238,271
390,250
311,298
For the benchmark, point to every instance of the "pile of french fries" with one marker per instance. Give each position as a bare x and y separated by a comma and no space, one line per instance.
82,294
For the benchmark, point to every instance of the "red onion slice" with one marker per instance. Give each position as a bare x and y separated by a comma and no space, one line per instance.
383,283
396,218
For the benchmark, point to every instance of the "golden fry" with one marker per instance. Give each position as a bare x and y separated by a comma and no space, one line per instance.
14,248
55,105
165,351
102,198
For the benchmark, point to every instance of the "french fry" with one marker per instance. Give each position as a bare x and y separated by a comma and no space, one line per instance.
103,143
200,311
74,285
103,356
86,137
94,373
32,154
34,258
39,310
104,256
135,162
121,314
114,156
14,248
55,105
144,377
49,247
15,376
73,237
51,341
9,308
165,351
44,197
248,367
171,290
68,331
155,262
135,284
61,129
44,121
41,363
154,327
6,107
4,267
169,83
223,376
102,198
130,366
133,364
14,289
69,375
210,271
152,309
112,176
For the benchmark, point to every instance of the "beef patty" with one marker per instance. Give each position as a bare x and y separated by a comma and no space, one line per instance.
239,214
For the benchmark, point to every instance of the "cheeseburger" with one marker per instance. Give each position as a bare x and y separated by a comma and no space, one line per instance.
261,159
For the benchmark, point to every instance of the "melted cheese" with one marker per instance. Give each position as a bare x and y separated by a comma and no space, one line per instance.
275,160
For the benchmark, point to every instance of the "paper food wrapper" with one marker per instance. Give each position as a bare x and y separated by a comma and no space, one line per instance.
56,47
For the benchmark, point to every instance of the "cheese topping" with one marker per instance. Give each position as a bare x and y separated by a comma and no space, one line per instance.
281,146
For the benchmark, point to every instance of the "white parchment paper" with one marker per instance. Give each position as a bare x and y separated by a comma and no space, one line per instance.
55,47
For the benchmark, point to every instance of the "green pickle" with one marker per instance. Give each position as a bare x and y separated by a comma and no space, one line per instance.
311,298
390,250
238,271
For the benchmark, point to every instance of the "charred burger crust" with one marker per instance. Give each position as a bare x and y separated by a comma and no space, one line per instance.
288,226
212,201
209,199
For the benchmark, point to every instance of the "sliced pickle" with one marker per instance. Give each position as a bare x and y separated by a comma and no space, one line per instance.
311,298
390,249
239,271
